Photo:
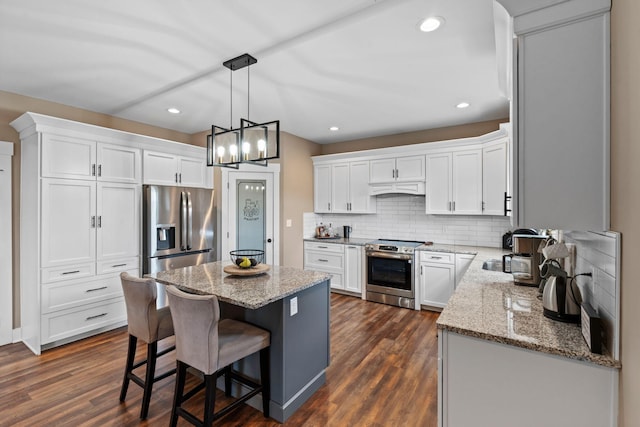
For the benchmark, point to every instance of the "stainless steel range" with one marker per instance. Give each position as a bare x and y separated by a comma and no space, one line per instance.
390,272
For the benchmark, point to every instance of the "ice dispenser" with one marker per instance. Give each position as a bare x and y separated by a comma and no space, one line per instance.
165,236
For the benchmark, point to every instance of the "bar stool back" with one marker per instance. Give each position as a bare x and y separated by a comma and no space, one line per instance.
150,325
210,345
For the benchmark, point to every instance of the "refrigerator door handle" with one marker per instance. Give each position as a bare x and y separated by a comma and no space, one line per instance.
189,221
183,221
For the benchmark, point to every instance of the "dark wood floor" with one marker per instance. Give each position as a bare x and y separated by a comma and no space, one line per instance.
383,373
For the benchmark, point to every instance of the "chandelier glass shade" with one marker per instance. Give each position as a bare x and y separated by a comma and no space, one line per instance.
252,142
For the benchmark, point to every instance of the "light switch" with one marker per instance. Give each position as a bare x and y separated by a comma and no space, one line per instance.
293,306
288,223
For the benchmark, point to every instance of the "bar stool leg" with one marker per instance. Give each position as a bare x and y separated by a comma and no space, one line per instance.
227,381
152,350
131,354
209,399
181,373
265,380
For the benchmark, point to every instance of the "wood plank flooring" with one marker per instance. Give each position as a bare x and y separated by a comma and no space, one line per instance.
383,373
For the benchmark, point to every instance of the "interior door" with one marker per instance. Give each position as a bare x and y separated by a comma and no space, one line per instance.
250,210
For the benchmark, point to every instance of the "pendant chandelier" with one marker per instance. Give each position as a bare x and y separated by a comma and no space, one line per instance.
254,143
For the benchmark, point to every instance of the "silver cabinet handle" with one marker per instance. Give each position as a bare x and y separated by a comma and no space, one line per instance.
93,169
323,260
71,272
118,265
180,177
99,221
93,221
435,257
96,316
449,208
323,247
329,205
99,170
483,203
393,173
176,176
397,174
454,206
96,289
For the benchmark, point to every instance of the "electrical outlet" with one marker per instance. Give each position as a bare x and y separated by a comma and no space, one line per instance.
293,306
289,223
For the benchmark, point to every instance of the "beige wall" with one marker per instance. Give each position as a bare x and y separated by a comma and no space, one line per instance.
13,106
625,193
430,135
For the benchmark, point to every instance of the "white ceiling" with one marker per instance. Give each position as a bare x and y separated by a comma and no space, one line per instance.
361,65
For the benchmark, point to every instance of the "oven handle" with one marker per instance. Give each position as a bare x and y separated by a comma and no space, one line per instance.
390,255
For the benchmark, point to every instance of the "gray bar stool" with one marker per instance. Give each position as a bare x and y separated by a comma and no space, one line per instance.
211,346
150,325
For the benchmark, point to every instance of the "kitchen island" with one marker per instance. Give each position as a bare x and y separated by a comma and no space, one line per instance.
502,363
292,304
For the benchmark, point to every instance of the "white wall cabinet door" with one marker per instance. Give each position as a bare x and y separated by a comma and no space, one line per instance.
68,222
382,170
192,172
437,283
160,168
410,168
66,157
118,222
494,178
438,197
322,188
359,198
353,268
467,182
118,164
340,188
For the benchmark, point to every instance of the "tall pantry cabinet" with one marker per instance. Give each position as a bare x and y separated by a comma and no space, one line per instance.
80,225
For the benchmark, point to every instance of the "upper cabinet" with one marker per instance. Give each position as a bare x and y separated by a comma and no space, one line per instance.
76,158
454,182
169,169
343,188
494,178
561,115
399,169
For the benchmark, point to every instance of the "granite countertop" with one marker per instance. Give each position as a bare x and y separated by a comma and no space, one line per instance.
340,240
245,291
487,305
458,249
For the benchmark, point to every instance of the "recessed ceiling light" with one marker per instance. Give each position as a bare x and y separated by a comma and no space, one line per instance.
463,105
431,23
334,128
173,110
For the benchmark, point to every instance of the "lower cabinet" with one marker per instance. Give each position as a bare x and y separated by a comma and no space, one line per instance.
463,261
437,278
343,262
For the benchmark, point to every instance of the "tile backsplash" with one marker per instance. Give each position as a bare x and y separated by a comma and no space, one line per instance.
401,216
598,253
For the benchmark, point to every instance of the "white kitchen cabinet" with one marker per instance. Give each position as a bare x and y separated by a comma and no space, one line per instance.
454,183
561,117
343,188
353,268
343,262
485,383
322,188
77,158
463,261
494,177
398,169
437,278
6,244
162,168
118,221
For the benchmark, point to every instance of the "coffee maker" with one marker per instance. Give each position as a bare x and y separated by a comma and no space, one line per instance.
524,261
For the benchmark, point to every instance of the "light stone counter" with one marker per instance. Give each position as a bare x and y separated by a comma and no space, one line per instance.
341,240
245,291
487,305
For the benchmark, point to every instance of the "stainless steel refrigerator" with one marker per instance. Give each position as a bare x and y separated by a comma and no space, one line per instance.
178,224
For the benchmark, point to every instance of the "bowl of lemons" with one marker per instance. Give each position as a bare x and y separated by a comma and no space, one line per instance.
247,258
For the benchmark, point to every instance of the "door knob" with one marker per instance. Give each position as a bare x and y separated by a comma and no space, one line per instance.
268,240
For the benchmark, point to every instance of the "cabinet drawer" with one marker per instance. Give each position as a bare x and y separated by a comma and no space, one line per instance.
64,324
324,247
69,294
118,266
437,257
324,261
56,274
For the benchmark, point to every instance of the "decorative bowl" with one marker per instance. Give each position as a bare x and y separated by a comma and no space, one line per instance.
255,257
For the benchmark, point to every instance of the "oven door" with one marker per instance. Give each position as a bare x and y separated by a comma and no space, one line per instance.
390,274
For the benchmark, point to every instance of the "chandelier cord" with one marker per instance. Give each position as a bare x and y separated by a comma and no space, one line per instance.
248,90
231,100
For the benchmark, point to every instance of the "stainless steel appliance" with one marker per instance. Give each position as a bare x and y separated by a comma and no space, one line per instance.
390,272
178,229
525,260
561,298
